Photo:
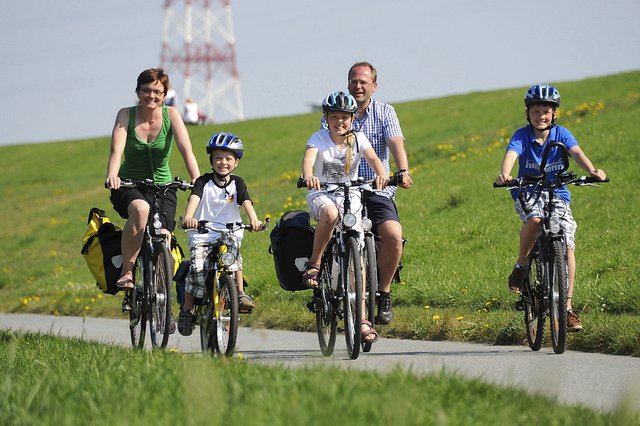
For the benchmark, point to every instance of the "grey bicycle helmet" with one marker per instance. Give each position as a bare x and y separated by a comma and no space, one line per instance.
542,93
226,141
339,101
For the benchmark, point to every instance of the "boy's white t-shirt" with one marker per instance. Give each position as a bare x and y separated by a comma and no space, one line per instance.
330,161
217,204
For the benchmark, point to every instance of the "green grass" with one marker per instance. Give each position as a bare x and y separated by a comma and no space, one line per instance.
48,380
462,233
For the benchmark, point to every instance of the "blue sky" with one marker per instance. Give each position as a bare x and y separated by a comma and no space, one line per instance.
68,66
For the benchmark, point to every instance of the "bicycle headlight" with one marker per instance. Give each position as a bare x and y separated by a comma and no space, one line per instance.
366,223
227,258
156,221
349,220
554,224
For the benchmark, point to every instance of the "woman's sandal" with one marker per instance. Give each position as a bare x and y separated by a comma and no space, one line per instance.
125,282
310,280
370,332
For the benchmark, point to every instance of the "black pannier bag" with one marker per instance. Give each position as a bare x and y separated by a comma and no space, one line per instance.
291,246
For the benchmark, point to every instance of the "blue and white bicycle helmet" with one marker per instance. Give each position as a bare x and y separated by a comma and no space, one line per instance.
226,141
339,101
542,93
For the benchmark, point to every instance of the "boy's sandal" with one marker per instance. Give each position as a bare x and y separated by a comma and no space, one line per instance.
370,332
309,279
125,282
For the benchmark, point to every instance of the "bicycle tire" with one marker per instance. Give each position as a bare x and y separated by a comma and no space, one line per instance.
227,315
326,313
371,281
534,310
558,295
138,314
207,320
352,290
160,297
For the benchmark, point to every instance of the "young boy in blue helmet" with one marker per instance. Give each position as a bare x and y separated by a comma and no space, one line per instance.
527,145
216,196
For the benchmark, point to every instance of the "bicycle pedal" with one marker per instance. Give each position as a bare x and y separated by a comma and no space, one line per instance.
126,305
245,311
519,305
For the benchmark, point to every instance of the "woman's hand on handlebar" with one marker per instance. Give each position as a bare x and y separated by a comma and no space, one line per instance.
190,223
112,182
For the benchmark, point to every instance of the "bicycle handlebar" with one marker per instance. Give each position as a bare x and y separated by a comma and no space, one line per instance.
562,179
394,180
148,183
206,226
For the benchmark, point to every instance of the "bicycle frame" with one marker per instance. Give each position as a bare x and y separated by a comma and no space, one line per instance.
218,313
150,299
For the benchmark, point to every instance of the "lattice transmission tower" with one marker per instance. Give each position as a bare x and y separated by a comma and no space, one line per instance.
198,52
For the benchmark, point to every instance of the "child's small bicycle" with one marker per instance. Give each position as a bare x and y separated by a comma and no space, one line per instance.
217,313
544,291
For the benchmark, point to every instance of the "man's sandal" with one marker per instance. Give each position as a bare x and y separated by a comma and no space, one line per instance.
370,332
309,279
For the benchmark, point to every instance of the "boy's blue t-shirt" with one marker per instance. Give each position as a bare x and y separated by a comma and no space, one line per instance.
523,142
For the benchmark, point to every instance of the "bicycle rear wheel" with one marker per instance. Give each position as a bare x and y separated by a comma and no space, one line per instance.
558,280
534,310
226,326
138,312
160,297
352,286
325,309
371,281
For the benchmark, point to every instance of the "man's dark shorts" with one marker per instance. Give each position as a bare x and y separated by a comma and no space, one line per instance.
381,208
168,201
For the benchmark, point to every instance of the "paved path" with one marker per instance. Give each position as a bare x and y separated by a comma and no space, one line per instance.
594,380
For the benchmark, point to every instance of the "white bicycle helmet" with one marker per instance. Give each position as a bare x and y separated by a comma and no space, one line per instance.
339,101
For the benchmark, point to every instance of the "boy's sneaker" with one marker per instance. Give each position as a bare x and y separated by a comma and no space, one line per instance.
185,326
245,302
573,322
517,277
385,316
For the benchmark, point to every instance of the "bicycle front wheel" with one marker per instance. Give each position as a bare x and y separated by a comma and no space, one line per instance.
226,327
534,309
325,309
207,321
371,281
137,303
160,298
558,281
352,287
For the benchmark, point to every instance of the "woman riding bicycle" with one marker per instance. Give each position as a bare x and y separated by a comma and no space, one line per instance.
527,145
141,144
332,155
